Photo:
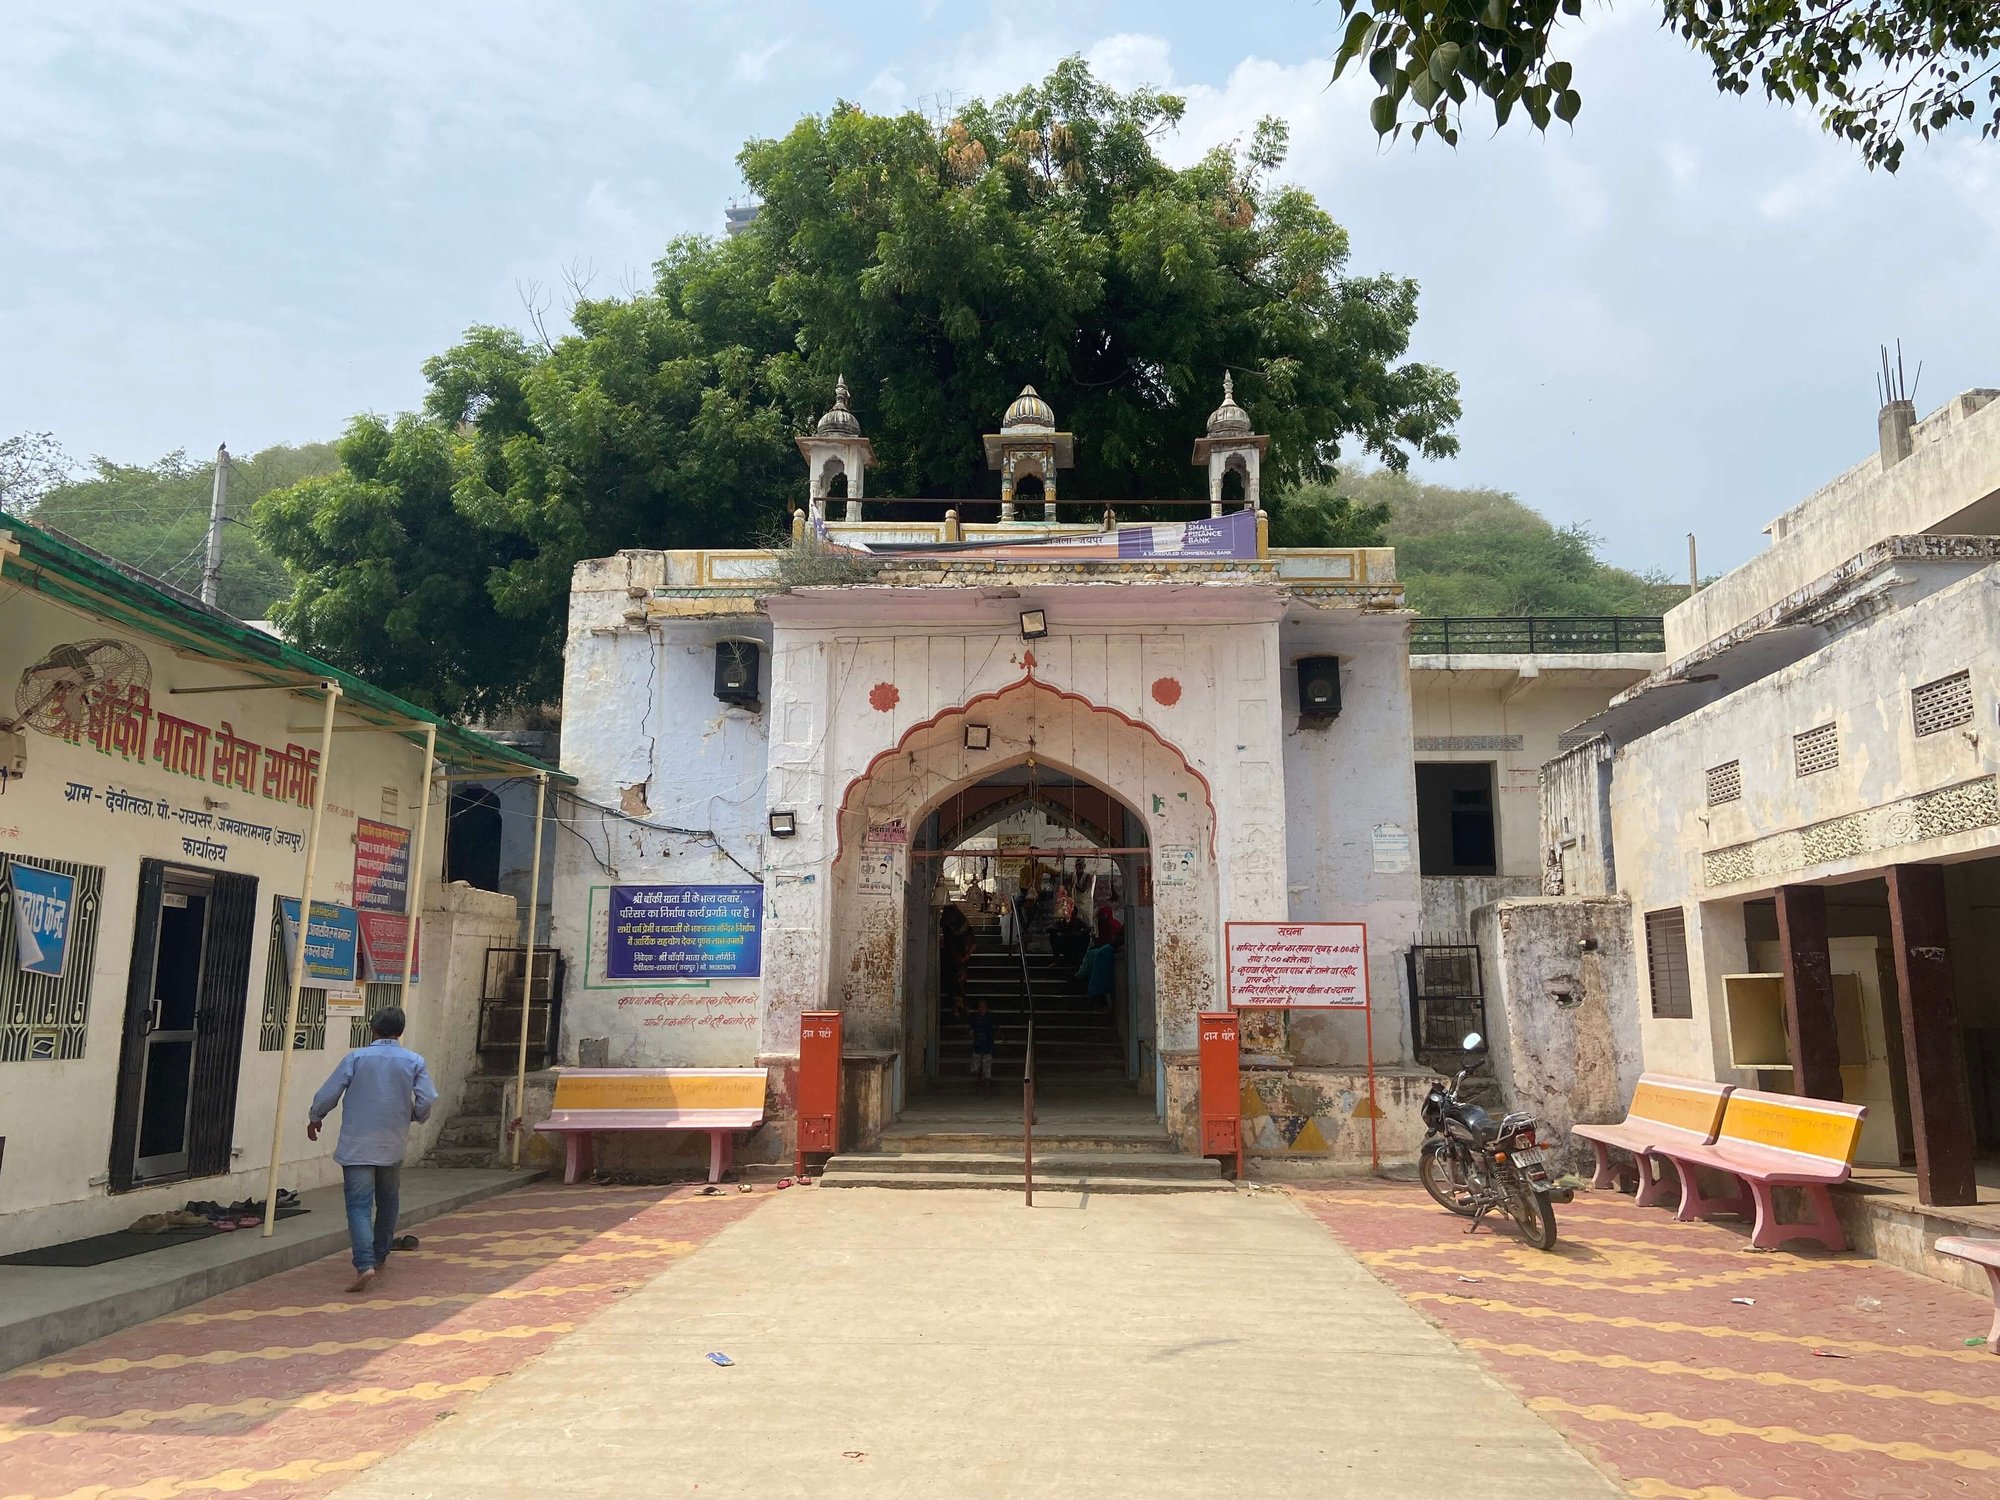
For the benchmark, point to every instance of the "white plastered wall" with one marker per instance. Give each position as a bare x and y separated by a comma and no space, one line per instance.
1860,683
57,1115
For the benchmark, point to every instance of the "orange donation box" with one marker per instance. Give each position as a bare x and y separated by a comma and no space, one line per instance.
1221,1087
819,1082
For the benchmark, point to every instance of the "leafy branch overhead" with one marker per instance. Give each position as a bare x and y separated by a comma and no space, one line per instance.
1879,73
939,265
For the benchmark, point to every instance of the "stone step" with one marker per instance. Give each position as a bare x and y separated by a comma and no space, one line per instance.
1069,1140
483,1093
463,1156
1016,1182
471,1130
1057,1162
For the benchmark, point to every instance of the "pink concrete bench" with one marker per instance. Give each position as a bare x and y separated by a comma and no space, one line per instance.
1770,1141
1986,1255
715,1101
1666,1111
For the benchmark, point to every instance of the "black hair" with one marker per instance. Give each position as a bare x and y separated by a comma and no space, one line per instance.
388,1021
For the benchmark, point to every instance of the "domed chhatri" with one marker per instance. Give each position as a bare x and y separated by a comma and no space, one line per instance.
1029,412
839,421
1228,419
1231,446
837,457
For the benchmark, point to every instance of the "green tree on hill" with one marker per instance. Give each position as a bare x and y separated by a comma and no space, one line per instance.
1482,552
154,517
939,266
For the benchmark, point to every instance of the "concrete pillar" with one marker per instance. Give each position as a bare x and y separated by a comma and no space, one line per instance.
1809,1024
1896,426
1933,1046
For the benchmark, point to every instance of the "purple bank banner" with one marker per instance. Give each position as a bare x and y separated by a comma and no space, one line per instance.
1231,536
685,932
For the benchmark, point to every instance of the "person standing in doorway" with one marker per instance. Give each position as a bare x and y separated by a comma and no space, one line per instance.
1099,970
982,1022
387,1088
955,945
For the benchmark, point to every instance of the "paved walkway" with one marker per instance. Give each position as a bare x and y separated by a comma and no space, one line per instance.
1840,1377
911,1343
288,1387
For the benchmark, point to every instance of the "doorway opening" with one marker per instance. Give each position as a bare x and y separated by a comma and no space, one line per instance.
1455,830
1015,880
185,1005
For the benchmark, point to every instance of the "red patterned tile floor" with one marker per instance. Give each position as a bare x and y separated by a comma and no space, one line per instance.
1841,1378
288,1386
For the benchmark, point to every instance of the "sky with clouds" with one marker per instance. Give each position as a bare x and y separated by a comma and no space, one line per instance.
246,222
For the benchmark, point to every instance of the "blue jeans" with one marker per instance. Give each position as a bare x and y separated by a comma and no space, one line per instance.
382,1189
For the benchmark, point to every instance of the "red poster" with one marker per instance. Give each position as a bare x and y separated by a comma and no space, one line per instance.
382,935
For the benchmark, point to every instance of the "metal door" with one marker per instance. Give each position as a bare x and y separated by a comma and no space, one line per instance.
169,1028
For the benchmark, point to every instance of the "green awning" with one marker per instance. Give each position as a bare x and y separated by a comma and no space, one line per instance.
88,582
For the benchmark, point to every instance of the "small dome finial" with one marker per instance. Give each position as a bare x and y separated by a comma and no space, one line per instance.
839,421
1029,410
1228,419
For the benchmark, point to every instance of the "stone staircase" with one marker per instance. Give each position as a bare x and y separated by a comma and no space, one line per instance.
1094,1132
471,1138
1087,1139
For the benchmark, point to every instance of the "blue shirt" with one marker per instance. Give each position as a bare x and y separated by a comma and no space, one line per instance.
387,1087
1100,965
982,1030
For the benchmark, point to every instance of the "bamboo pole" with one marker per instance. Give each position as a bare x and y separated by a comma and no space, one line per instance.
287,1037
414,903
528,981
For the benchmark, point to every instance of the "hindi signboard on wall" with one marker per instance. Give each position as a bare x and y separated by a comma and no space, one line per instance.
685,932
43,903
333,938
1298,965
381,866
383,938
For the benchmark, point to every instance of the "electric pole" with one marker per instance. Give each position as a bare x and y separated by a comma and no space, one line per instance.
211,568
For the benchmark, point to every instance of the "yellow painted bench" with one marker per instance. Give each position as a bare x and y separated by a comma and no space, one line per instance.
719,1101
1770,1141
1665,1111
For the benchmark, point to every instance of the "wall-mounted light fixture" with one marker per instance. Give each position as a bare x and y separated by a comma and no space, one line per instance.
783,824
978,736
1034,624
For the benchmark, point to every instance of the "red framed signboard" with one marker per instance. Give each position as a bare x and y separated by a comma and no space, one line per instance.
1297,965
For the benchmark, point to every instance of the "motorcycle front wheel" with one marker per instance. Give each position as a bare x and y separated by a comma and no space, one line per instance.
1535,1215
1434,1167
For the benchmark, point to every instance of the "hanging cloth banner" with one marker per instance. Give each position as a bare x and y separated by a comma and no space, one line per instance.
1214,538
43,903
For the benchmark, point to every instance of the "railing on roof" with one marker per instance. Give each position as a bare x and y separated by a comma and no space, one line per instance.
1521,635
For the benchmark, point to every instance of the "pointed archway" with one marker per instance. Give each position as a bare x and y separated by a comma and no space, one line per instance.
873,965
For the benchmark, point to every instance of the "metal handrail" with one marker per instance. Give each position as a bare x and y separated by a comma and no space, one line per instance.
1027,1064
1491,634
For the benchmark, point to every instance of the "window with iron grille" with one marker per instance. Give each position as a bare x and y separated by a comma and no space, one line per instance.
1944,704
1725,783
1667,964
1818,749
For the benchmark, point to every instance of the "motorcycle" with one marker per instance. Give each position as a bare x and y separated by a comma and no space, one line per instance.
1472,1166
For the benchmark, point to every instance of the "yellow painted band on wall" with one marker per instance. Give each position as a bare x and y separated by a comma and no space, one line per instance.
1697,1110
1792,1127
698,1091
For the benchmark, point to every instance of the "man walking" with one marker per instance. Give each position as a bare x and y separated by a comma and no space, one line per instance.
387,1088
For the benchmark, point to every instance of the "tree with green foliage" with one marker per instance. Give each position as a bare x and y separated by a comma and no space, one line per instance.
31,464
154,517
1880,73
939,266
1481,552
